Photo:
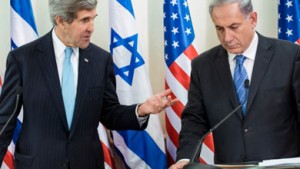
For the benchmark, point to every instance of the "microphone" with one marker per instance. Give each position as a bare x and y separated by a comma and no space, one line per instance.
246,85
199,145
19,92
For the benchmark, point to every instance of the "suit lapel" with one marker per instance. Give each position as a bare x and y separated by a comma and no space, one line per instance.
262,60
222,67
82,89
48,67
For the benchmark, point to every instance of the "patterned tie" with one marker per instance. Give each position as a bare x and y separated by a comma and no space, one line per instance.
240,75
68,86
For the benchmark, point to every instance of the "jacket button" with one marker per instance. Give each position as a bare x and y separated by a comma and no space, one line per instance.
65,165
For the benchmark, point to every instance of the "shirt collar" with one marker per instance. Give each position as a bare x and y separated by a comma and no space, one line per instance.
59,46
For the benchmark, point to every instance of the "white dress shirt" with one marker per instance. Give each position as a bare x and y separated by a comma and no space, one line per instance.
59,51
250,54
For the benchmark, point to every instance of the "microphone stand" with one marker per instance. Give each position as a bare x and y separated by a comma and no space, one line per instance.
199,145
197,151
19,92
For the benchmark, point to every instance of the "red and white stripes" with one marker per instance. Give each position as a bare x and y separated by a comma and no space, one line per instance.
108,159
178,79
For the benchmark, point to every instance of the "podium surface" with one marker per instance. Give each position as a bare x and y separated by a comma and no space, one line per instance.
284,163
246,166
202,166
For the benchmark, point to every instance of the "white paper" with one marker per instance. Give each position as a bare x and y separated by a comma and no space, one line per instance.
284,161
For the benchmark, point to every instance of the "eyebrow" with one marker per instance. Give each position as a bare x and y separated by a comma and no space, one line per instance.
233,24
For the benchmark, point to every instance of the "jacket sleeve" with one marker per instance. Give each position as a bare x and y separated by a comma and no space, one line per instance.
114,115
8,99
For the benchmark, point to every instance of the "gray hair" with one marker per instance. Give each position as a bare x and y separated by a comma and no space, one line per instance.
245,5
67,9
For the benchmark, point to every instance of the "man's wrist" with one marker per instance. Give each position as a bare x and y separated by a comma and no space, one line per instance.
139,109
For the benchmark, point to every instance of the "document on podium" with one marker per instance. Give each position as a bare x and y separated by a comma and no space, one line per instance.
281,162
224,166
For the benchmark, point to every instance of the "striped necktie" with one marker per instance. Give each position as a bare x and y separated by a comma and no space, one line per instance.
68,86
240,75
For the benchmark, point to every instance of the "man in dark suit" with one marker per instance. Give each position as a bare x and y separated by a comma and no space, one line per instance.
53,137
267,125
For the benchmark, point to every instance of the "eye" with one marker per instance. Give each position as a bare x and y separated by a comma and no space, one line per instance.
220,29
86,20
234,27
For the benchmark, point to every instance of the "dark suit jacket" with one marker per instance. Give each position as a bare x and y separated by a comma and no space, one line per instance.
45,142
270,128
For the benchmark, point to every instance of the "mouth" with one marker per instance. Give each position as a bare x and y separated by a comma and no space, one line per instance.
86,38
231,46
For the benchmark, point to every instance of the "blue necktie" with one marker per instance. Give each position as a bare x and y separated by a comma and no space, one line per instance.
240,75
68,86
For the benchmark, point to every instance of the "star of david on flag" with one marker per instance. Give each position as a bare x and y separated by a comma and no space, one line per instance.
125,67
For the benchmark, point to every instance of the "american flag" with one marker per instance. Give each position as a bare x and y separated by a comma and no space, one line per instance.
108,158
289,20
179,51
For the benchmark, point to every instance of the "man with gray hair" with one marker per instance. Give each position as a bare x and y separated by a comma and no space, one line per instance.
267,124
68,88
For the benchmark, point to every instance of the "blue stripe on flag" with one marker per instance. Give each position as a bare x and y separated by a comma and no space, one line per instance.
127,5
17,131
13,44
154,158
24,9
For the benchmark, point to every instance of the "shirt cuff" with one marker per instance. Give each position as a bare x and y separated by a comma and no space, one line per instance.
184,159
141,119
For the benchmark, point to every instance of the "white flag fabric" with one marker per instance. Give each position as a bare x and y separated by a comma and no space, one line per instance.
108,159
139,149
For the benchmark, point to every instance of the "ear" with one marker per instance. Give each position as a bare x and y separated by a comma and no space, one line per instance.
59,22
253,19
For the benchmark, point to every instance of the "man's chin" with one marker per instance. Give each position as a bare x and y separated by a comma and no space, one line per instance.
234,50
83,46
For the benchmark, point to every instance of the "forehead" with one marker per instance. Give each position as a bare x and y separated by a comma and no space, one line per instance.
227,14
86,13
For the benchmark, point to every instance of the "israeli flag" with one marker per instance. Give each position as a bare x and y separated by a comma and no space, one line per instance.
139,149
22,24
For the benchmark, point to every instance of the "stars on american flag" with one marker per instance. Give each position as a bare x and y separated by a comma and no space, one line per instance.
187,18
179,35
174,30
173,2
174,16
288,21
175,44
289,4
289,18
